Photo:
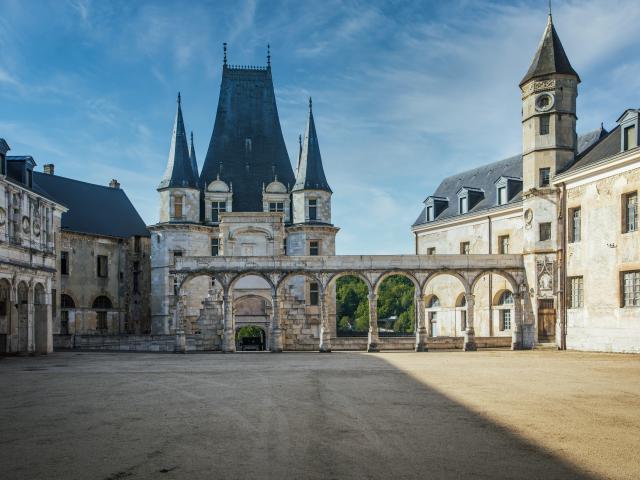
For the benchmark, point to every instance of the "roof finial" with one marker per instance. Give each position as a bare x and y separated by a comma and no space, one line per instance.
300,140
550,9
191,137
268,55
310,105
179,98
224,48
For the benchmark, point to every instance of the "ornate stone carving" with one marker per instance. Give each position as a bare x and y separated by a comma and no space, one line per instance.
545,269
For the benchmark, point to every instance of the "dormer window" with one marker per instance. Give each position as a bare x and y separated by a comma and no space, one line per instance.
507,188
434,206
502,195
468,198
216,209
630,137
463,205
628,122
276,206
430,213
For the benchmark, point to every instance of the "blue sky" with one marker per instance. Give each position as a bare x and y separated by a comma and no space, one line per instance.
404,92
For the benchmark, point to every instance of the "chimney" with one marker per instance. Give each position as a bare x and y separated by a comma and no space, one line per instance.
49,168
114,183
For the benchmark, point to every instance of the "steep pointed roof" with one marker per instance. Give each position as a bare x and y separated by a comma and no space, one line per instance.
550,57
247,148
310,172
179,172
192,157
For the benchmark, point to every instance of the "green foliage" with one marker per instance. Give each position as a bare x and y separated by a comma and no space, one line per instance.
395,297
248,331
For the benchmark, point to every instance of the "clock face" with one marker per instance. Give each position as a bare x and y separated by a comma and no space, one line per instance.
544,102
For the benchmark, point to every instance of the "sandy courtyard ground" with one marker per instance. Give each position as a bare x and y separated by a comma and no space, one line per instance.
500,414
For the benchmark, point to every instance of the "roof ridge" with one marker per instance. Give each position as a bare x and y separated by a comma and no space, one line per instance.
107,187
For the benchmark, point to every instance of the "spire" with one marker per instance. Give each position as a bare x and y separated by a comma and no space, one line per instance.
310,175
299,152
192,157
179,172
550,57
224,48
268,55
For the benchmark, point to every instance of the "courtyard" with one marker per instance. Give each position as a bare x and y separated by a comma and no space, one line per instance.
490,414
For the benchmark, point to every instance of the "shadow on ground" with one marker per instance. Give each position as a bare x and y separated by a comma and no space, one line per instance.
311,416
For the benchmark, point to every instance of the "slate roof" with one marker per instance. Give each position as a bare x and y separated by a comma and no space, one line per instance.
93,209
4,146
192,157
179,171
484,178
247,148
609,146
310,174
550,57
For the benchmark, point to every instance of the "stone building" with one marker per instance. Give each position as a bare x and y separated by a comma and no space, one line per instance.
29,225
103,270
567,204
247,201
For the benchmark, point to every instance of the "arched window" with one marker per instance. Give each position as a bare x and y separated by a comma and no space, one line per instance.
506,298
102,303
462,301
67,302
434,302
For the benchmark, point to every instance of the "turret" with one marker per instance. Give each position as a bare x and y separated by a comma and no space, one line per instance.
179,192
311,192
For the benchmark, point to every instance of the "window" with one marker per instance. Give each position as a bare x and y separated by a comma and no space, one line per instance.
176,287
136,277
545,175
216,209
284,246
503,244
101,317
64,263
313,209
574,225
102,266
434,302
631,289
545,232
544,124
576,292
463,205
215,247
136,244
502,195
463,320
314,293
314,248
66,301
176,254
465,248
630,138
177,206
429,214
276,207
630,209
431,251
505,319
102,303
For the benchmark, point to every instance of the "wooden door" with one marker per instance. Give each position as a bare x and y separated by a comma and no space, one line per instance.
546,320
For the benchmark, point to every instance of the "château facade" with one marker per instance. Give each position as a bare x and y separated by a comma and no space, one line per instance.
568,204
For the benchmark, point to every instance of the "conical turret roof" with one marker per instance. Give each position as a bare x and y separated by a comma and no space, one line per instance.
310,174
550,57
179,172
192,156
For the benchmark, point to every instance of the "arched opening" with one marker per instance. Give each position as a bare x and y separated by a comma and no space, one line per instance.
102,305
300,317
67,305
40,319
251,338
23,317
396,305
201,295
352,306
447,317
489,288
5,315
504,310
251,310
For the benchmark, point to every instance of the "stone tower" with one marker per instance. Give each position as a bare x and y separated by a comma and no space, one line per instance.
549,91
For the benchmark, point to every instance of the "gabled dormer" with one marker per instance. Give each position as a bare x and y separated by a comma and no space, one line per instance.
629,130
276,199
507,188
20,169
4,148
218,199
468,197
434,206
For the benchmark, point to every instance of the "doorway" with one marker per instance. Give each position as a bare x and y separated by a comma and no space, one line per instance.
546,320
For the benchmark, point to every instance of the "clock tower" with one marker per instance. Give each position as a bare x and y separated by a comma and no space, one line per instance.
549,142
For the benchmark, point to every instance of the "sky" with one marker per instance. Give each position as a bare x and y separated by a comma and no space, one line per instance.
404,93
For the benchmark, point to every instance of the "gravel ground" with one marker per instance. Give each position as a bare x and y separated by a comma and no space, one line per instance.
491,414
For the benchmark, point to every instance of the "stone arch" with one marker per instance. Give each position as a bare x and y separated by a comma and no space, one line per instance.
283,280
239,231
67,300
461,301
391,273
501,298
495,271
452,273
201,293
242,346
239,276
6,325
335,276
102,302
22,300
40,329
253,310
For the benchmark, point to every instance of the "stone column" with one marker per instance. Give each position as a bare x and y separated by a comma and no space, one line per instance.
516,328
229,334
178,323
49,323
276,329
470,334
374,339
421,329
31,344
325,333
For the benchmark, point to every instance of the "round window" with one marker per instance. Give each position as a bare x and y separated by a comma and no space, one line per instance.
544,102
